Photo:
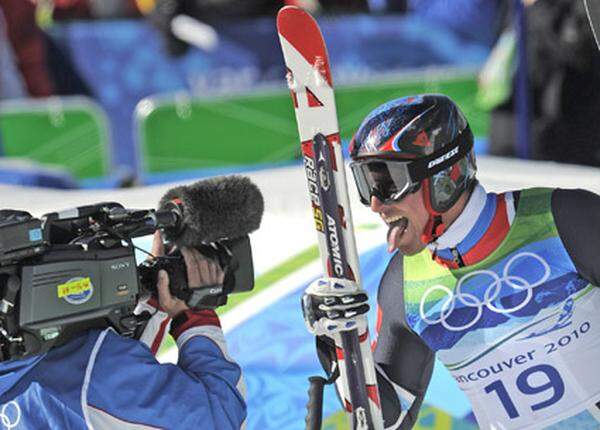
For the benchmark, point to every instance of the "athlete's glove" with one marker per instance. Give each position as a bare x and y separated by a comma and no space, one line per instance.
332,305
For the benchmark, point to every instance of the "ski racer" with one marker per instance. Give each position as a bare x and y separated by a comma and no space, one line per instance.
501,287
101,380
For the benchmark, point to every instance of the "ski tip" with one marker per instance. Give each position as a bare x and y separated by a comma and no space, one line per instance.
293,16
592,9
288,9
301,30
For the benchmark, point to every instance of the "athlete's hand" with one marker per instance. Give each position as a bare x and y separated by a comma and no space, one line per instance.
332,305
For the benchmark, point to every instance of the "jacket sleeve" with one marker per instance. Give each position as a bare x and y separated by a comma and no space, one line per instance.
213,366
404,362
577,217
129,389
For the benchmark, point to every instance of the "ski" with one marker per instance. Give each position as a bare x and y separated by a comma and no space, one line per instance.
592,8
309,80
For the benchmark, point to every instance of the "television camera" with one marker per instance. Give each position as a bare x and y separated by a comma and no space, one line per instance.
76,269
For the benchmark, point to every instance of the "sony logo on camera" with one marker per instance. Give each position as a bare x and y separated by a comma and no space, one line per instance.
120,266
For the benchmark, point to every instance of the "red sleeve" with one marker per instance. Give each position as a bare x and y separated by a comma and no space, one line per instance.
191,318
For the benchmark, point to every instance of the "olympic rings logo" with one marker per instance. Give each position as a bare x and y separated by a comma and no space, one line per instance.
492,292
10,415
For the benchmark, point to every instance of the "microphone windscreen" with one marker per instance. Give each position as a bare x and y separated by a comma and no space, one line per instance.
218,208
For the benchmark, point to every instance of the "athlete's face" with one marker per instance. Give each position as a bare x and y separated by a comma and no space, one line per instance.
406,220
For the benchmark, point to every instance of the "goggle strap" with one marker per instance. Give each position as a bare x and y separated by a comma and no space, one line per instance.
442,158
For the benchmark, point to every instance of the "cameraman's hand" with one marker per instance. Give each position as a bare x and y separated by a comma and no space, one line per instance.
201,272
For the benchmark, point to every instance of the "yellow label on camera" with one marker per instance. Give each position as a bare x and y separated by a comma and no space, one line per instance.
75,286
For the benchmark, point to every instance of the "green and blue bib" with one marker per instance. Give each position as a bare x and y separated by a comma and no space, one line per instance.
519,331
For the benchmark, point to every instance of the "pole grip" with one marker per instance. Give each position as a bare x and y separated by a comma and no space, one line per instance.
314,407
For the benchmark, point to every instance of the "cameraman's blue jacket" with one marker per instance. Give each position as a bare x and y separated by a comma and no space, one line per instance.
103,381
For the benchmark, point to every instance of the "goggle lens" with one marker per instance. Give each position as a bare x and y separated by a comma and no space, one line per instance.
387,180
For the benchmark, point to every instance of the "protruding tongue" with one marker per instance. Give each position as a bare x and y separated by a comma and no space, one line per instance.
395,233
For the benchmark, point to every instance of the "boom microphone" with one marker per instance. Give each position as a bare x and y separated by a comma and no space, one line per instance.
214,209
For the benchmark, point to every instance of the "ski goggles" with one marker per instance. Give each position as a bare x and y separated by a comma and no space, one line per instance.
390,180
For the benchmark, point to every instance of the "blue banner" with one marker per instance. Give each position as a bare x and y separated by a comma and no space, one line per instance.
125,61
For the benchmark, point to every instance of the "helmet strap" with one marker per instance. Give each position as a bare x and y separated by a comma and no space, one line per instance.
435,227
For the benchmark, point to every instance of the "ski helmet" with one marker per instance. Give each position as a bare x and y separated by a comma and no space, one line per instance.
412,142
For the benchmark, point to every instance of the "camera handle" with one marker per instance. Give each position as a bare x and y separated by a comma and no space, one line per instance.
207,297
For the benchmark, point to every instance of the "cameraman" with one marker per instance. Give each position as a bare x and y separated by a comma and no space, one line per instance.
101,380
